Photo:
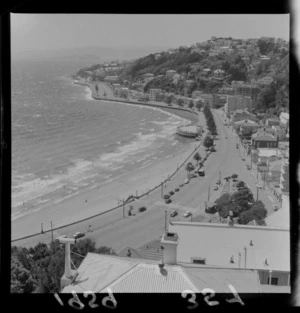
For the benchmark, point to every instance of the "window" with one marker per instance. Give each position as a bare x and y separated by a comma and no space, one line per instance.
198,260
274,280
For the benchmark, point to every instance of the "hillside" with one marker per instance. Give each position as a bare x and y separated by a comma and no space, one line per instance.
210,66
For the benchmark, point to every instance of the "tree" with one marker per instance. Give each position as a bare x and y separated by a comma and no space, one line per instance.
191,104
240,184
234,176
168,100
199,104
96,87
189,167
208,142
243,198
257,212
22,280
197,157
180,102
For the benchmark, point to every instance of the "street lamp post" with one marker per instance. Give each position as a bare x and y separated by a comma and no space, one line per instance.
256,193
51,231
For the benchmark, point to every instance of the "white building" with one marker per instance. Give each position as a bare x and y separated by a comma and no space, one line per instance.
264,249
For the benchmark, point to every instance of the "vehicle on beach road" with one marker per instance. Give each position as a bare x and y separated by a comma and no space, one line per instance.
174,213
276,207
216,187
142,209
187,214
78,235
248,167
186,181
201,173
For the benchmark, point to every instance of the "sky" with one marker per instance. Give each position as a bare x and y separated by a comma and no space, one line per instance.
64,31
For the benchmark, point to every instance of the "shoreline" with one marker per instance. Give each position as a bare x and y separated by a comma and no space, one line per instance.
148,177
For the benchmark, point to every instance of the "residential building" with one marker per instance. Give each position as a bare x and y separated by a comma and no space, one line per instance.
264,249
197,94
154,93
284,118
280,218
148,75
170,73
264,140
272,121
267,80
267,155
247,90
244,127
284,178
237,103
111,79
98,272
274,170
240,115
219,73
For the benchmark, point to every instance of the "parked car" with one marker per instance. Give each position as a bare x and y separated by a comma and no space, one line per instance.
276,207
212,149
78,235
187,214
186,181
248,167
174,213
201,173
216,187
142,209
177,189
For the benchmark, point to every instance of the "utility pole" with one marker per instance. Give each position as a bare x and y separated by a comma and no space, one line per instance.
208,194
123,209
256,193
166,212
42,231
51,231
220,177
251,160
162,186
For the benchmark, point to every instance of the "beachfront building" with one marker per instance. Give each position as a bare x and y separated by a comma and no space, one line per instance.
240,115
128,274
111,79
154,94
237,103
245,127
233,246
246,90
264,140
284,118
267,155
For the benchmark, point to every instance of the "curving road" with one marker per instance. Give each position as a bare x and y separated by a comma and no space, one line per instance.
115,231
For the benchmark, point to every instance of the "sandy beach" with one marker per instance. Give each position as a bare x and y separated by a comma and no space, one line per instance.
94,201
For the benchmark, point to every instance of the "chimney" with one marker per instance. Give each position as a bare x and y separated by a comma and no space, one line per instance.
170,242
69,274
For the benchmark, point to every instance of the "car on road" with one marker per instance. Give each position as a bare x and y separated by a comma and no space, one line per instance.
276,207
248,167
201,173
174,213
142,209
187,181
187,214
216,187
78,235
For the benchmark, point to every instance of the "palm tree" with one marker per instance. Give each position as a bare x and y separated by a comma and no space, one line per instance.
189,167
197,157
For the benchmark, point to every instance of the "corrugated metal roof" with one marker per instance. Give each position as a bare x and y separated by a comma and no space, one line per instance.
149,278
97,271
219,242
